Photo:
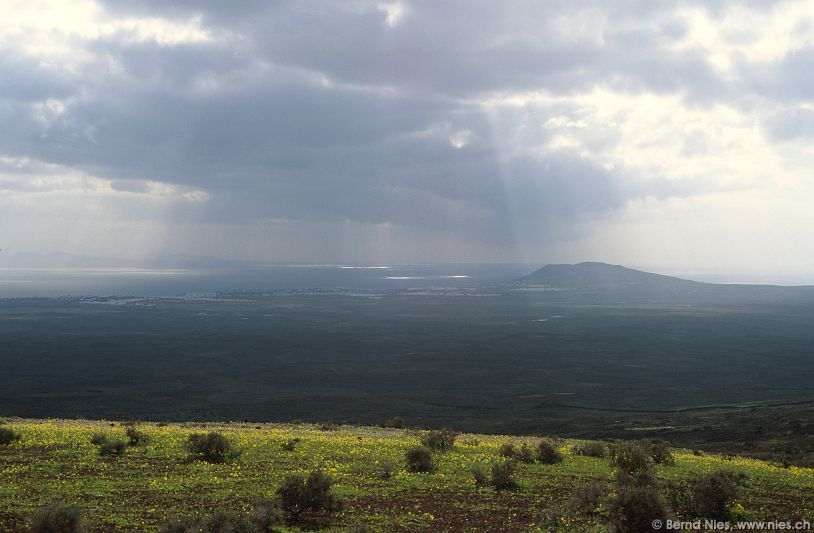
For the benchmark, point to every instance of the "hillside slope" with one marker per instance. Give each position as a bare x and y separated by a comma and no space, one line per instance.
596,282
55,461
596,276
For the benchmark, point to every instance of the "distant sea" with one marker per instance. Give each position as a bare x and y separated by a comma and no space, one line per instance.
18,282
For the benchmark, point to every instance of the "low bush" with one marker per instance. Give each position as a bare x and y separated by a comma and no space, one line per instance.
385,469
300,495
548,453
419,459
506,449
329,426
229,522
112,447
266,515
706,496
586,499
136,437
630,457
501,474
212,447
502,477
635,507
661,452
97,439
220,522
396,422
638,500
591,448
479,476
523,454
8,435
58,518
440,439
289,444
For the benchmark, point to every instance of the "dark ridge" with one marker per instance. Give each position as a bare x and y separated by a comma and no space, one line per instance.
600,283
600,276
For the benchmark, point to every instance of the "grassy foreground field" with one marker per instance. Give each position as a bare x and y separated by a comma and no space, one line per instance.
137,491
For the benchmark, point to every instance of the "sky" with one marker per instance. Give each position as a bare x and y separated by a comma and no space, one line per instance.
675,136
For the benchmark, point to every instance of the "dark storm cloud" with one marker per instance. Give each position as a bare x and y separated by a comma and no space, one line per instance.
322,111
464,47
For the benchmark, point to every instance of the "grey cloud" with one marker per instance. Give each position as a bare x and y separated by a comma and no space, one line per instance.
460,48
321,112
25,80
787,80
790,124
134,186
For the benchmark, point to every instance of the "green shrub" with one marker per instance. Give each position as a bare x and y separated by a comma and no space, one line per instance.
228,522
97,439
220,522
638,500
442,439
419,459
506,449
136,437
591,448
635,507
289,444
58,518
706,496
502,477
523,454
266,515
329,426
114,447
8,435
212,447
264,518
548,453
630,457
661,452
300,495
641,478
396,422
586,499
385,469
478,475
